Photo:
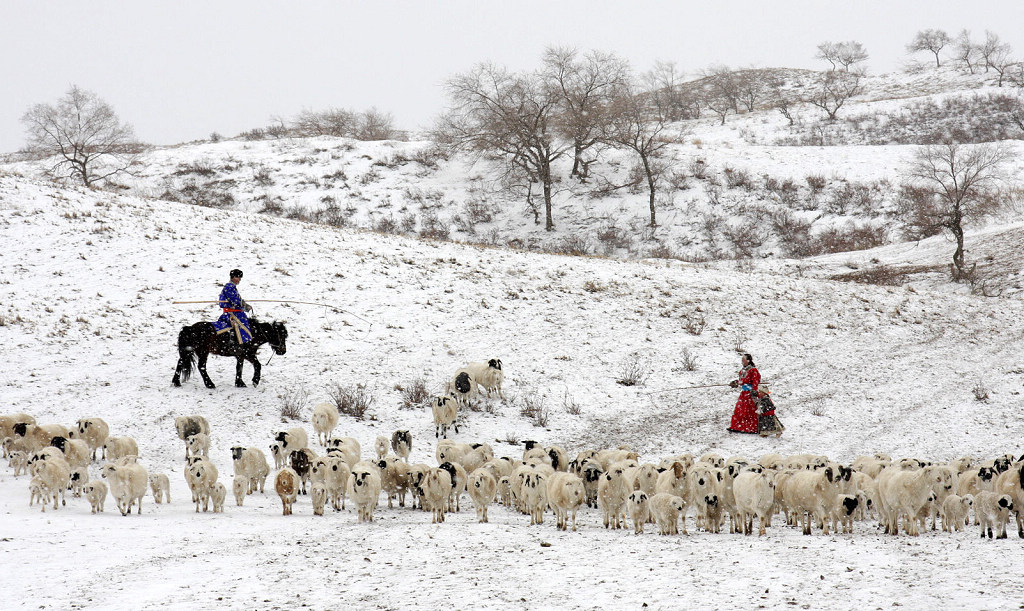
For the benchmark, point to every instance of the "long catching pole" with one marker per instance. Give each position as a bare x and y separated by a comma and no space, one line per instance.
326,305
687,388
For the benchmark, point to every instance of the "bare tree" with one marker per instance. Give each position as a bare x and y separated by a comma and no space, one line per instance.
930,40
966,50
992,49
665,84
331,122
510,116
751,87
1004,65
85,135
843,54
587,84
725,85
957,184
782,99
635,127
833,89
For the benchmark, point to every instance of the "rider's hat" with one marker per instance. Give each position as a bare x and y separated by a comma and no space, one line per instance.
236,273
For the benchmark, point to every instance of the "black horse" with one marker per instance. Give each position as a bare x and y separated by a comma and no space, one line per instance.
201,340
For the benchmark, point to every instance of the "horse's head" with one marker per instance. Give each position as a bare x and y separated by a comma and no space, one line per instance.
277,337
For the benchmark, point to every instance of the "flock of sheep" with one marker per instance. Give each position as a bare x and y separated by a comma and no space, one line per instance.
809,491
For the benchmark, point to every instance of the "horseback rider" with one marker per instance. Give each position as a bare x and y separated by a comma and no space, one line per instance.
234,317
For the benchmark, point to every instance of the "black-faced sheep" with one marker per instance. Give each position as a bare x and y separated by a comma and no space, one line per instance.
93,431
186,426
446,413
401,444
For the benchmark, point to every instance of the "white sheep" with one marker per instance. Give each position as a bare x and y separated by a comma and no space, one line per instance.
160,485
318,495
488,376
566,494
811,494
482,489
705,481
955,511
446,412
293,439
534,494
365,489
348,448
76,451
638,510
673,480
436,487
198,445
333,472
462,387
116,448
92,431
39,492
1011,482
186,426
754,496
667,510
218,493
904,493
845,510
39,436
7,422
325,418
203,476
612,492
459,479
250,465
993,511
591,472
18,460
287,486
401,444
54,473
128,484
394,479
279,457
96,492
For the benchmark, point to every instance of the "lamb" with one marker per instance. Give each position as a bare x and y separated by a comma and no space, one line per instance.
203,476
401,444
250,465
190,478
279,457
93,431
217,495
160,485
76,451
591,473
611,496
188,426
333,472
482,489
198,445
128,484
291,440
394,479
566,494
325,418
436,487
488,376
18,460
39,492
365,490
318,494
118,447
462,387
704,481
381,446
844,511
535,498
446,413
667,510
955,512
754,496
79,478
96,492
287,486
240,488
712,505
639,511
993,510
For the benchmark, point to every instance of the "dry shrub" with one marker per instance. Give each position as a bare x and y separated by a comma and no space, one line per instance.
352,401
432,227
634,371
414,394
293,403
851,237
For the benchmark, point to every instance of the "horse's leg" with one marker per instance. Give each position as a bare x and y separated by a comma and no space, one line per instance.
202,370
256,367
238,371
176,380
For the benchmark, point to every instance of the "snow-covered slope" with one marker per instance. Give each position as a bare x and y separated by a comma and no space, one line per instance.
88,329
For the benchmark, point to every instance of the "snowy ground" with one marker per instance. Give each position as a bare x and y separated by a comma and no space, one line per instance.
86,281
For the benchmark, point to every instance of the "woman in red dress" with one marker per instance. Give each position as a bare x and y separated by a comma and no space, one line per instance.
744,417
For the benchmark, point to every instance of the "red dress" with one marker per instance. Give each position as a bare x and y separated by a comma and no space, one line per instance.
744,417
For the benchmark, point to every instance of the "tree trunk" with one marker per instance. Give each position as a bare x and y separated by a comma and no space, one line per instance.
958,255
651,188
936,58
545,177
577,160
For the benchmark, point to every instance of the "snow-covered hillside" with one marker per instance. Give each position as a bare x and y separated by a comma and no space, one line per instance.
86,284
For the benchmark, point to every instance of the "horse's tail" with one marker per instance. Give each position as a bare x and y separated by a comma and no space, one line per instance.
186,353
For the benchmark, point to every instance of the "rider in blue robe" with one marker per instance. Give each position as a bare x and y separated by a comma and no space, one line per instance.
234,319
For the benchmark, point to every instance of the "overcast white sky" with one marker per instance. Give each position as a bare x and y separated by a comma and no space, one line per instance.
179,70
